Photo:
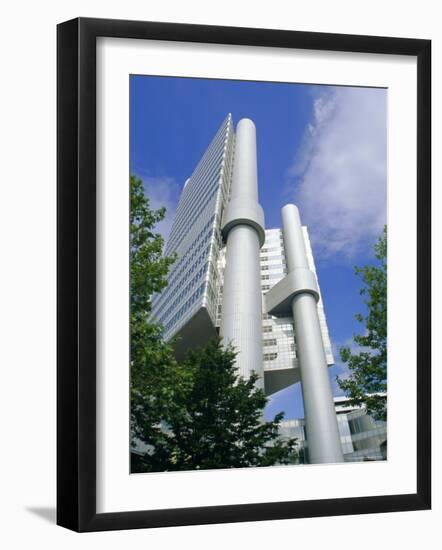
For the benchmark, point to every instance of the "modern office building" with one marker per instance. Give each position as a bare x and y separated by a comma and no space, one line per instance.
362,438
187,306
257,289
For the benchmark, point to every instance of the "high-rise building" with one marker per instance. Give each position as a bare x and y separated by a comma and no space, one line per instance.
187,306
257,289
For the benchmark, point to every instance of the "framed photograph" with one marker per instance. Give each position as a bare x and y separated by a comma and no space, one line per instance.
243,274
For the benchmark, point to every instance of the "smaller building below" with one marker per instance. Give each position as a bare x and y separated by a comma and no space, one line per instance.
362,438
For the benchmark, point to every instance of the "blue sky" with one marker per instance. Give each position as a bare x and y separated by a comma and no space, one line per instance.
321,147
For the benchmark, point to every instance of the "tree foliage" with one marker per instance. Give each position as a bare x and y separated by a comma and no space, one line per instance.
368,365
223,425
198,413
154,371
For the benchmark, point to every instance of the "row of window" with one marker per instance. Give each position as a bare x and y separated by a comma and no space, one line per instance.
186,215
275,268
279,257
201,184
271,249
272,276
271,342
197,294
184,292
215,159
219,139
179,273
193,249
174,288
198,181
274,355
185,225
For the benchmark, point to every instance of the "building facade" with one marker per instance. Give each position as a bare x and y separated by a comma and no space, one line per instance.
187,306
280,362
363,439
256,288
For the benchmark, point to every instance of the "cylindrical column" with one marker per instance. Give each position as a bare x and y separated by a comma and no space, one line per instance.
243,230
242,308
324,444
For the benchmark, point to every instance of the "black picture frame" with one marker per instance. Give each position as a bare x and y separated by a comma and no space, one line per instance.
76,273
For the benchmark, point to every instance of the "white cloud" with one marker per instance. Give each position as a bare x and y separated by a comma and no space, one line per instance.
162,191
339,174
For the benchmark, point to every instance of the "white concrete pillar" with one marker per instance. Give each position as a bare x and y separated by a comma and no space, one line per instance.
324,443
243,231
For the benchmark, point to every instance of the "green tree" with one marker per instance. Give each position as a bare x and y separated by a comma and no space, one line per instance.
223,426
155,375
194,414
368,366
